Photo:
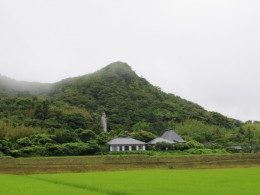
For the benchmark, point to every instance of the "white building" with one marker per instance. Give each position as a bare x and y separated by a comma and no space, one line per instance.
126,144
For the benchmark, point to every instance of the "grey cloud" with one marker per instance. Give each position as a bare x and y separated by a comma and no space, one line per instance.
205,51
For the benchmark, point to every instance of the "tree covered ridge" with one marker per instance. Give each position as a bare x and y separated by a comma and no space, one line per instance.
128,98
66,109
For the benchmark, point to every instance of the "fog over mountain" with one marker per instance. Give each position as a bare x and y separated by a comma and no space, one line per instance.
204,51
16,87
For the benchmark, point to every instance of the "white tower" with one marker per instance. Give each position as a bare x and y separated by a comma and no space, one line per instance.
104,122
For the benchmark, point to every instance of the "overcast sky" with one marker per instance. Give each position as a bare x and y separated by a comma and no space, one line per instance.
206,51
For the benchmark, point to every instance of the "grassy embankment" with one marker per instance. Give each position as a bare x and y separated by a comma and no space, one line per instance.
10,165
237,181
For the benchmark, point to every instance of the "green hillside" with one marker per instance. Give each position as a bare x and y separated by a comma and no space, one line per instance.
69,111
128,99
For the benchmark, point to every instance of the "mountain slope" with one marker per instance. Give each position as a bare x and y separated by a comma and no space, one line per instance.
128,99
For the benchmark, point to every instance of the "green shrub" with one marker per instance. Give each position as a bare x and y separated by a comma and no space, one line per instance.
188,145
81,148
55,149
206,151
142,135
103,138
87,135
24,142
32,151
41,139
13,153
65,136
162,146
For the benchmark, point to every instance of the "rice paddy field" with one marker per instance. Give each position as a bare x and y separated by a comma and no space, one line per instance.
244,181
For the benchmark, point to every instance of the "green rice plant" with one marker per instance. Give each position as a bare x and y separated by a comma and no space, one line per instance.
216,181
23,185
235,181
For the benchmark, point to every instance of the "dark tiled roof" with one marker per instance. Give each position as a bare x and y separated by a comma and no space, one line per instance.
125,141
172,136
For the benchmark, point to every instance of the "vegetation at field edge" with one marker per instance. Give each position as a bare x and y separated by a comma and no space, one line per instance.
124,162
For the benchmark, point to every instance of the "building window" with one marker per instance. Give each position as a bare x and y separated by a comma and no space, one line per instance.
114,148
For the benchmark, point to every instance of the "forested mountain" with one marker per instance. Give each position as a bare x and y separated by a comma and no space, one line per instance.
69,111
128,99
125,97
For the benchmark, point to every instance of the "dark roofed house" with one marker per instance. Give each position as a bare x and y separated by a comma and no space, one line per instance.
125,144
171,135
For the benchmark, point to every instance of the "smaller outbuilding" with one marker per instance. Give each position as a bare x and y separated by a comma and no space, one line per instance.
171,135
125,144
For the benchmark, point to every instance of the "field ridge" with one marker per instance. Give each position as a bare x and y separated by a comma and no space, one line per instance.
24,166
